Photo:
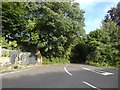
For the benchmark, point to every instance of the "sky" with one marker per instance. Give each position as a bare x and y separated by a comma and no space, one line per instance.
95,10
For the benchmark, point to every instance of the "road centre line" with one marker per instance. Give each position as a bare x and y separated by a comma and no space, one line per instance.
90,85
67,71
98,71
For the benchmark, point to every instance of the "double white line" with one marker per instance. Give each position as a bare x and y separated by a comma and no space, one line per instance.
98,71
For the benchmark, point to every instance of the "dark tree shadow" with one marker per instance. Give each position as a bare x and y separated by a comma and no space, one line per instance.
79,53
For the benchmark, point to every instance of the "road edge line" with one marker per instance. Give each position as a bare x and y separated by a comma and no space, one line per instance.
15,72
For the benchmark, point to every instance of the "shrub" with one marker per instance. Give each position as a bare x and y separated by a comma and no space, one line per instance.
16,67
46,61
55,61
5,54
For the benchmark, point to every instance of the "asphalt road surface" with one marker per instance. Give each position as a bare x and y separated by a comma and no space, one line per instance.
62,76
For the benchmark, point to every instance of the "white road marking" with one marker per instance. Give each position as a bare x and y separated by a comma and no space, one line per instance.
107,73
86,68
98,71
90,85
67,71
104,73
14,72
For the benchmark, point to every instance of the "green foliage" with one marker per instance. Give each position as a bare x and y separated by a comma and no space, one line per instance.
7,44
52,27
46,60
3,42
104,43
16,67
55,61
79,53
113,14
5,54
56,30
103,49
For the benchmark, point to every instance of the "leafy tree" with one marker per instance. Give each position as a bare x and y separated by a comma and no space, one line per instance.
79,53
6,44
113,15
52,27
105,42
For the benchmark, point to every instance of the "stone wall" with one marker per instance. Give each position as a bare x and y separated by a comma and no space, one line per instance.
18,57
4,61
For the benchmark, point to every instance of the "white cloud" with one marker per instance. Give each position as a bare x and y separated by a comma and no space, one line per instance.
113,4
84,1
87,6
91,1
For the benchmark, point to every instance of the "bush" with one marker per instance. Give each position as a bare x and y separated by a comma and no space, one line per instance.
59,61
79,53
5,54
16,67
46,61
55,61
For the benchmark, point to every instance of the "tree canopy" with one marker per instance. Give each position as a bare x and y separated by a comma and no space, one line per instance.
56,30
52,27
102,46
